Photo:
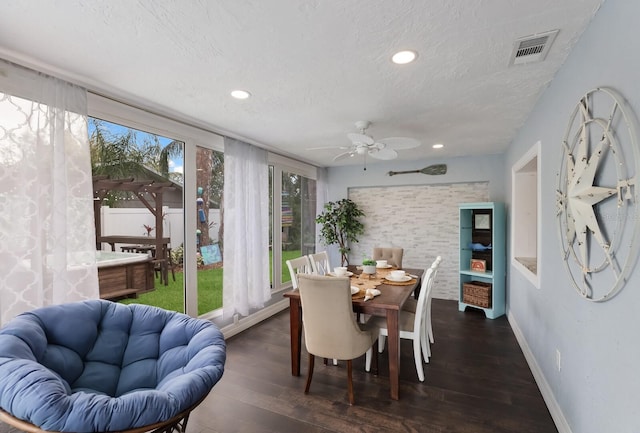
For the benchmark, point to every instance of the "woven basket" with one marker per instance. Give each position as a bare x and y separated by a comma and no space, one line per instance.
477,293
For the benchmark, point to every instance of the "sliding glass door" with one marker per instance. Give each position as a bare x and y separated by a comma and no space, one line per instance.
190,162
293,223
209,233
131,160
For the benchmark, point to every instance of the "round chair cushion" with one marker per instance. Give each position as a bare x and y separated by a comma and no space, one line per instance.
98,366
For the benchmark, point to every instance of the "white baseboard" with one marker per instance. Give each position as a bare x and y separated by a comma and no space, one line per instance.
253,319
547,394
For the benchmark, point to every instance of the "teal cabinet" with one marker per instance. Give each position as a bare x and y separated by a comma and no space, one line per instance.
482,258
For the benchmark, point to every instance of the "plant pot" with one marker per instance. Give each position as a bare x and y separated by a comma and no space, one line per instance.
369,269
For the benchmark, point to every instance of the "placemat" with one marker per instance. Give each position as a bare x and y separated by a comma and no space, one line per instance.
400,283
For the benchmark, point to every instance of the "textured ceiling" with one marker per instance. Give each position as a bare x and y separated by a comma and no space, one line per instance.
313,67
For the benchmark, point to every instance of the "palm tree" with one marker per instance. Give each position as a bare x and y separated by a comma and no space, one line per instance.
119,152
172,150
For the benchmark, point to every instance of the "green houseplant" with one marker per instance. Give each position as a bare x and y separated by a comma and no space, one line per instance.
340,224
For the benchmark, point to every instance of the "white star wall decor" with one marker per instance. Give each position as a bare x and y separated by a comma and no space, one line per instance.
597,198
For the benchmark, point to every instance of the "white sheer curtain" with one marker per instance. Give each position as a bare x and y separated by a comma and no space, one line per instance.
246,228
47,235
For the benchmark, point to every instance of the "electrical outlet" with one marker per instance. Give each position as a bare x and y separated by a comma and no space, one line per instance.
558,360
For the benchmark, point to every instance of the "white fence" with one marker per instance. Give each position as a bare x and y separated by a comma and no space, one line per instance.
131,222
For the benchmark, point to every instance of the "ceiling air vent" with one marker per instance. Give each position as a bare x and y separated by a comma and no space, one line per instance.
532,48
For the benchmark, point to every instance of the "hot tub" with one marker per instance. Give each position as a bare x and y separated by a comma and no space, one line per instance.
122,275
114,258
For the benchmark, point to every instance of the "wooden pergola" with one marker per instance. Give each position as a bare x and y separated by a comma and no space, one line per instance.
148,192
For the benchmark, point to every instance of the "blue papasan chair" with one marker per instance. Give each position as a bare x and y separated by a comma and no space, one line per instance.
99,366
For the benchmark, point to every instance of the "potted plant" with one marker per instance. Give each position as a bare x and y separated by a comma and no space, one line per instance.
368,266
340,225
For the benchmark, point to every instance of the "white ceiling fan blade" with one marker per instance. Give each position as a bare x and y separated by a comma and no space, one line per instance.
342,156
400,143
384,154
329,147
360,138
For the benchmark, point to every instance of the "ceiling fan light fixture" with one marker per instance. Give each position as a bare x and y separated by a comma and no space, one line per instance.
364,145
240,94
404,57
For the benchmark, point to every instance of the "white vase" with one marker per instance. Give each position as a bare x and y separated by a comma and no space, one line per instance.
369,269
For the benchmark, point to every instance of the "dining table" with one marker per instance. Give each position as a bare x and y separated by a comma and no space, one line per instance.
387,304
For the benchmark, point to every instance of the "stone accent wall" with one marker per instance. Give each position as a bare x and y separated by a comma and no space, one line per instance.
422,219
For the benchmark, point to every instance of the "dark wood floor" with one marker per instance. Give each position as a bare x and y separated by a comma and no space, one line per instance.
477,381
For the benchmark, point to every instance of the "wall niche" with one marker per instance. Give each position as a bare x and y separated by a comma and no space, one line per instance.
525,220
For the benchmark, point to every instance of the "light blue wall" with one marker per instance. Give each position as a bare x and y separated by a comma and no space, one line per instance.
598,387
463,169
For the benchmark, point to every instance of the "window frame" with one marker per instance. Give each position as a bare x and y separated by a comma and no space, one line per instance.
192,136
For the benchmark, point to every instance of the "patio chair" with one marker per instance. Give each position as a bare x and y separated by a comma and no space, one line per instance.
99,366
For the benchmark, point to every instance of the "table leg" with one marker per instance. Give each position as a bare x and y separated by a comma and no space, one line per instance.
295,323
393,341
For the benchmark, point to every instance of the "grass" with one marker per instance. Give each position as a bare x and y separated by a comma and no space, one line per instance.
171,297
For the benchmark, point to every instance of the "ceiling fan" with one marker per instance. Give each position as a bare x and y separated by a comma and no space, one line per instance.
363,144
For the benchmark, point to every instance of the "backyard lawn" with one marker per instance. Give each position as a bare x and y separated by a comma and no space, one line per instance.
171,297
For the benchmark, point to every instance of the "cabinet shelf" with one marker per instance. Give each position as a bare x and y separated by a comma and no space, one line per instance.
488,274
483,223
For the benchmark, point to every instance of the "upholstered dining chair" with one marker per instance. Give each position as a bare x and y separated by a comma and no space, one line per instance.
330,328
297,266
393,256
412,303
412,327
320,263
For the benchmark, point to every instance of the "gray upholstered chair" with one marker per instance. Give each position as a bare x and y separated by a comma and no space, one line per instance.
297,266
330,328
320,263
393,256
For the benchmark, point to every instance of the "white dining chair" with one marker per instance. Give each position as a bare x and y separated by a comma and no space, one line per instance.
411,303
412,327
320,263
300,265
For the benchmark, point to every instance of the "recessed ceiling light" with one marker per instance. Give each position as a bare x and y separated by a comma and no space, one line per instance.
438,146
240,94
404,57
